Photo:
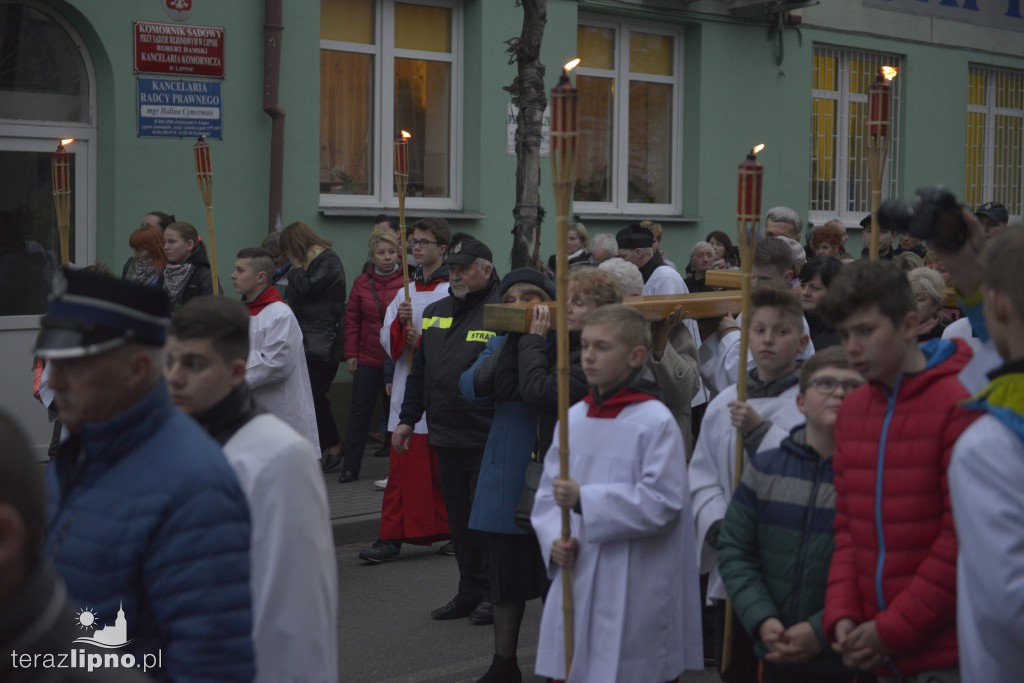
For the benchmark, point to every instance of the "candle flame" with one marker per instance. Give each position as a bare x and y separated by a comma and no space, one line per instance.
66,141
571,64
889,72
757,149
406,135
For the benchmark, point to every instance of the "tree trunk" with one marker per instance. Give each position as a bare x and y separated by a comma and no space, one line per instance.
530,97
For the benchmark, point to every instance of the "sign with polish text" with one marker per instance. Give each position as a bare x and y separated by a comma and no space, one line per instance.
179,50
177,108
994,13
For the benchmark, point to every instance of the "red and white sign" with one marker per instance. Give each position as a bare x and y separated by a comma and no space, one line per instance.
179,50
178,9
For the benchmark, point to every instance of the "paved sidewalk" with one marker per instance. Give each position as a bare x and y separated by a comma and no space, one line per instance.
355,507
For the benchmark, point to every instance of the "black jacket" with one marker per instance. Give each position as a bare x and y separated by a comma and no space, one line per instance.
317,297
453,336
538,381
200,282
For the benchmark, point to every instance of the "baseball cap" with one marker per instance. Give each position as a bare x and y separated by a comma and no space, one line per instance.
994,211
468,250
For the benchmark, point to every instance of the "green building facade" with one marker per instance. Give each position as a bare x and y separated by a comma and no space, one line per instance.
673,93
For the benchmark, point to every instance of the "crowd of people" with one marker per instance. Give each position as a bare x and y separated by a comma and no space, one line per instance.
850,509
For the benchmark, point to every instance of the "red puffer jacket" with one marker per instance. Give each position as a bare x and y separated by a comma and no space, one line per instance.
364,316
895,547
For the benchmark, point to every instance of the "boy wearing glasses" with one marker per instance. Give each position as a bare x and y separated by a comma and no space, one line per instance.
775,543
891,600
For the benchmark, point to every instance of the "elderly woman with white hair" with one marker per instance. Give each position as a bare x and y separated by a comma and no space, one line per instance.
929,291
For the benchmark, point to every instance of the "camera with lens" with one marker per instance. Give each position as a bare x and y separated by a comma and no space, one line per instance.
934,215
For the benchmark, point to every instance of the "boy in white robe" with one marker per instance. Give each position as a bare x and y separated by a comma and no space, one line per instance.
776,340
634,570
276,367
294,577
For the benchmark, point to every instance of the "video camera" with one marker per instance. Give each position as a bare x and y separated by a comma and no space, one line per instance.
934,215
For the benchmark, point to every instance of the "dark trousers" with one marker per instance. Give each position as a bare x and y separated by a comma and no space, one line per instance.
743,665
459,469
367,387
321,376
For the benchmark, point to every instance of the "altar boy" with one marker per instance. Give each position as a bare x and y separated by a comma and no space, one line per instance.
632,547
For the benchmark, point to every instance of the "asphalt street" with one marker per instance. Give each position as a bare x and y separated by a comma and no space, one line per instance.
385,632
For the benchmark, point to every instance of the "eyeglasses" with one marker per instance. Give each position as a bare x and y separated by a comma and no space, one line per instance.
828,385
421,243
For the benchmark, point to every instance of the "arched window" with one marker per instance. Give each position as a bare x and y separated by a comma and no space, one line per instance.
42,73
45,95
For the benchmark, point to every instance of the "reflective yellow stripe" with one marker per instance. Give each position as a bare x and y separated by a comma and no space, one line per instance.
479,336
441,323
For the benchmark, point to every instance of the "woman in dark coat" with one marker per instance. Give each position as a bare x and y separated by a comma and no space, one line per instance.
316,293
187,273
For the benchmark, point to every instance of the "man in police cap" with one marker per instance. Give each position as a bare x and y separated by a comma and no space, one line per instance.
147,521
453,336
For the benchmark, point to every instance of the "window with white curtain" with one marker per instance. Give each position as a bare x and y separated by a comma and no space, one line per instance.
629,82
388,66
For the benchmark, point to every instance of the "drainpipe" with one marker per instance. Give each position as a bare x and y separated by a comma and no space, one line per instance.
273,26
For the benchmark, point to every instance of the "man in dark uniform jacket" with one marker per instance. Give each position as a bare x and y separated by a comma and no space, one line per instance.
453,336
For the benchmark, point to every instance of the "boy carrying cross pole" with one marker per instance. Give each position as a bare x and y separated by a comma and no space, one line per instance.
635,584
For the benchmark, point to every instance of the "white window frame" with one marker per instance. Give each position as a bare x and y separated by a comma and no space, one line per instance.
621,76
890,180
990,111
385,53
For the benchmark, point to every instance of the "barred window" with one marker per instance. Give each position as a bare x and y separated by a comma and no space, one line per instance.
995,138
840,183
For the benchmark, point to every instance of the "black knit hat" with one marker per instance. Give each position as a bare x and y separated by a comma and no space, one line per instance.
634,236
91,313
528,276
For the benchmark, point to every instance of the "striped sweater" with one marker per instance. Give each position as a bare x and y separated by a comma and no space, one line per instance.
776,540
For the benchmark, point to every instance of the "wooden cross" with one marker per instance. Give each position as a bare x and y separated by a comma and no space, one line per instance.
519,317
731,279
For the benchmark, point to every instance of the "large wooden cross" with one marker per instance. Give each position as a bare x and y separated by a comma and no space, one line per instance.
731,279
519,317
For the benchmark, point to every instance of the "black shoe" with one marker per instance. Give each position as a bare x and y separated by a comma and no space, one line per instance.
328,462
381,551
448,549
455,609
483,615
502,671
346,477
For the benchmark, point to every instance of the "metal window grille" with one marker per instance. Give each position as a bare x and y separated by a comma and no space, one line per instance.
995,138
840,184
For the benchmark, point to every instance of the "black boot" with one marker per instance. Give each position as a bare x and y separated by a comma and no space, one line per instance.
503,670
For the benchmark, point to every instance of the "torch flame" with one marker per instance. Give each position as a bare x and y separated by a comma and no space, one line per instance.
571,64
889,72
757,149
66,141
406,135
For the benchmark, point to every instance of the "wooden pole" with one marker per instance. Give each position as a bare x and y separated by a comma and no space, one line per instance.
563,167
748,219
401,188
60,170
877,128
204,178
